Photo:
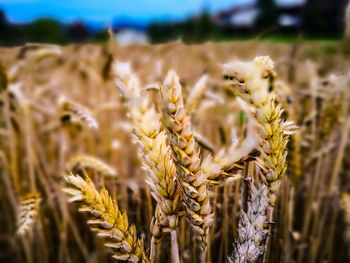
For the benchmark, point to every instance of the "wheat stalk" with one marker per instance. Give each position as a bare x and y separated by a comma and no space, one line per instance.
106,219
28,212
345,205
250,79
192,178
85,161
154,151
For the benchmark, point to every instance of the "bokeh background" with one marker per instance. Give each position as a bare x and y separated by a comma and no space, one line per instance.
307,39
155,21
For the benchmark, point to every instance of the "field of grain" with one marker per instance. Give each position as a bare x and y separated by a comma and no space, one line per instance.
220,152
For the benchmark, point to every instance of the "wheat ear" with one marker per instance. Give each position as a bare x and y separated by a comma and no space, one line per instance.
73,112
28,212
251,81
251,233
192,179
154,152
84,161
106,219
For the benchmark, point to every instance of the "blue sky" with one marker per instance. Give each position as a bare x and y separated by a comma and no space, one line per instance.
105,11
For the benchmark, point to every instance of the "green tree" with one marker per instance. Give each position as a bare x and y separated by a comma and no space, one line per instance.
46,31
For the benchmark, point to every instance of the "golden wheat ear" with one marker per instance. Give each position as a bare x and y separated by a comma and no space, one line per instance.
106,219
155,153
250,81
28,212
193,180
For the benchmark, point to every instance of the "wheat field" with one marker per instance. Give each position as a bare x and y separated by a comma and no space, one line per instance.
219,152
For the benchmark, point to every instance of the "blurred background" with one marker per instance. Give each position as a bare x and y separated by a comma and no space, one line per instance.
39,136
157,21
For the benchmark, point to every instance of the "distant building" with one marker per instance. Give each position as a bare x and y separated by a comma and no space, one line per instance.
241,15
131,36
245,15
291,15
315,16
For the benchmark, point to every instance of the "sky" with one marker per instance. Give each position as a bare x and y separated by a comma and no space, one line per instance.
106,11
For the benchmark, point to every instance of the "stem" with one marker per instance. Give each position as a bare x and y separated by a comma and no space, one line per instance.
13,160
269,217
244,193
203,256
153,249
175,246
289,240
29,149
212,228
309,211
342,146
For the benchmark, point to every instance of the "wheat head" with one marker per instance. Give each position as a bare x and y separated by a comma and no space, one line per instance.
192,178
106,219
153,150
28,212
250,79
73,112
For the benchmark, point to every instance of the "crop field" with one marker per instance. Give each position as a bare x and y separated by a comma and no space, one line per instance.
219,152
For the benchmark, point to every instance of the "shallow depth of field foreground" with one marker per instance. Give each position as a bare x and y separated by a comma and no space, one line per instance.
227,152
